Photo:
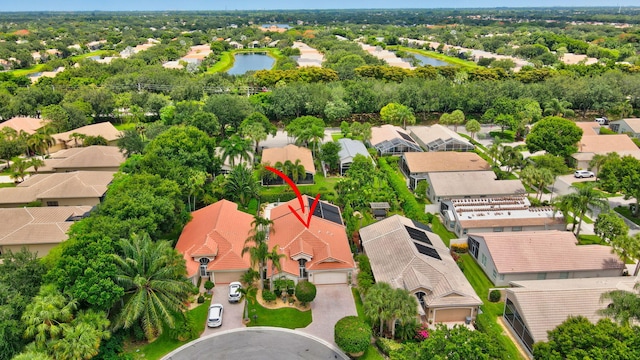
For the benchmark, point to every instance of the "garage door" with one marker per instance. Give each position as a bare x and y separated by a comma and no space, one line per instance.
449,315
226,277
321,278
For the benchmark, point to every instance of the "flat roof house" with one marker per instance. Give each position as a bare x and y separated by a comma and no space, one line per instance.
498,214
38,229
539,255
440,138
417,166
392,140
292,153
90,158
319,253
532,308
78,188
348,150
626,126
211,243
460,185
407,255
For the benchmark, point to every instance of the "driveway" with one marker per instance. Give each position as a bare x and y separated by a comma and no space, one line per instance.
332,303
232,317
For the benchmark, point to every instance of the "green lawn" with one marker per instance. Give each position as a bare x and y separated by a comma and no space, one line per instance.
77,58
442,231
289,318
323,186
6,185
125,126
337,136
590,239
31,70
600,192
624,211
165,343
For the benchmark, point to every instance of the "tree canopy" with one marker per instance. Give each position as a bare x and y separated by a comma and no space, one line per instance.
555,135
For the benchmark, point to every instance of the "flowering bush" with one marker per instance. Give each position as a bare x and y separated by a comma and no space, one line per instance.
422,333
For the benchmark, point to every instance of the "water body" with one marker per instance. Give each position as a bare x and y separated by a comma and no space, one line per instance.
250,62
425,60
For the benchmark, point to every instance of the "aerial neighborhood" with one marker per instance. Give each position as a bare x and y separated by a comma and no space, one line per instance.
335,183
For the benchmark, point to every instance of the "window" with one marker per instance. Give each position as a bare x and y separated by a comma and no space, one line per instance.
484,260
501,277
516,228
52,203
203,267
494,274
498,229
542,276
303,269
474,246
564,275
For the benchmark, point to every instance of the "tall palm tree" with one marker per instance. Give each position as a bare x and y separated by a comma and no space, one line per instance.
274,256
404,308
82,338
375,304
234,147
583,201
241,186
294,170
596,163
256,244
48,315
627,247
153,276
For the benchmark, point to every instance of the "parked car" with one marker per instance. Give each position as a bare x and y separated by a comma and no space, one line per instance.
215,315
583,174
602,121
234,291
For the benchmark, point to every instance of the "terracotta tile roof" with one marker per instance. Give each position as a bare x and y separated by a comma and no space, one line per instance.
219,229
96,156
69,185
546,251
104,129
324,240
606,143
38,225
27,124
589,128
395,260
545,304
424,162
291,153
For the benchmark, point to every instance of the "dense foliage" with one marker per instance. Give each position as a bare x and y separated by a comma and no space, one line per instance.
352,334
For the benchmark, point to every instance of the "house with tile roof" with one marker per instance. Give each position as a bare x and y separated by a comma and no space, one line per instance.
274,156
463,185
392,140
532,308
349,148
417,166
27,124
105,129
626,126
440,138
498,214
539,255
407,255
38,229
212,242
592,143
77,188
90,158
320,253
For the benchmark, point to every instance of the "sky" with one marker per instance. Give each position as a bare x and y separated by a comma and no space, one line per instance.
152,5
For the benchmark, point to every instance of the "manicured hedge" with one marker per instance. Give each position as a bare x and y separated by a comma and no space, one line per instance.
352,334
410,205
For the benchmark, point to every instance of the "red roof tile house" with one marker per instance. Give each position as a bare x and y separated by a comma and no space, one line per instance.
320,253
212,243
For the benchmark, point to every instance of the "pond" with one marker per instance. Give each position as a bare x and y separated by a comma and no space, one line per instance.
425,60
250,62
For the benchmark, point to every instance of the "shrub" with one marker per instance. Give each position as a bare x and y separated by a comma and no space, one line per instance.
209,285
494,295
352,334
200,299
277,291
268,296
305,292
365,281
410,205
387,345
605,131
460,248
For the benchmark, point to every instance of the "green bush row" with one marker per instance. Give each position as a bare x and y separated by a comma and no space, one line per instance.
352,334
387,345
408,201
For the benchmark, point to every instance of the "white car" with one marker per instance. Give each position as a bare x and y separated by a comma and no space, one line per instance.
234,291
583,174
215,315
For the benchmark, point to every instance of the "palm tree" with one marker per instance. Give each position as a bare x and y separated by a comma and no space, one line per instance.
596,163
153,276
48,314
375,304
241,186
82,338
274,256
294,170
557,107
19,168
256,244
584,201
247,290
234,147
404,308
627,247
624,306
36,163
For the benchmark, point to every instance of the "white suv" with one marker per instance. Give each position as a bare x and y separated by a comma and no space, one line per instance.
234,293
583,174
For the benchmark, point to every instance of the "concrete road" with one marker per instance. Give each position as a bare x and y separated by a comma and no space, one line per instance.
332,303
232,316
258,343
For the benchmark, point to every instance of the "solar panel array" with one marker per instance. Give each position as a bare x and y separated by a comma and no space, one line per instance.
418,235
422,226
429,251
326,211
406,137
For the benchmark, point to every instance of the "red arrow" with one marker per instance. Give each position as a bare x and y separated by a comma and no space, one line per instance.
297,192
